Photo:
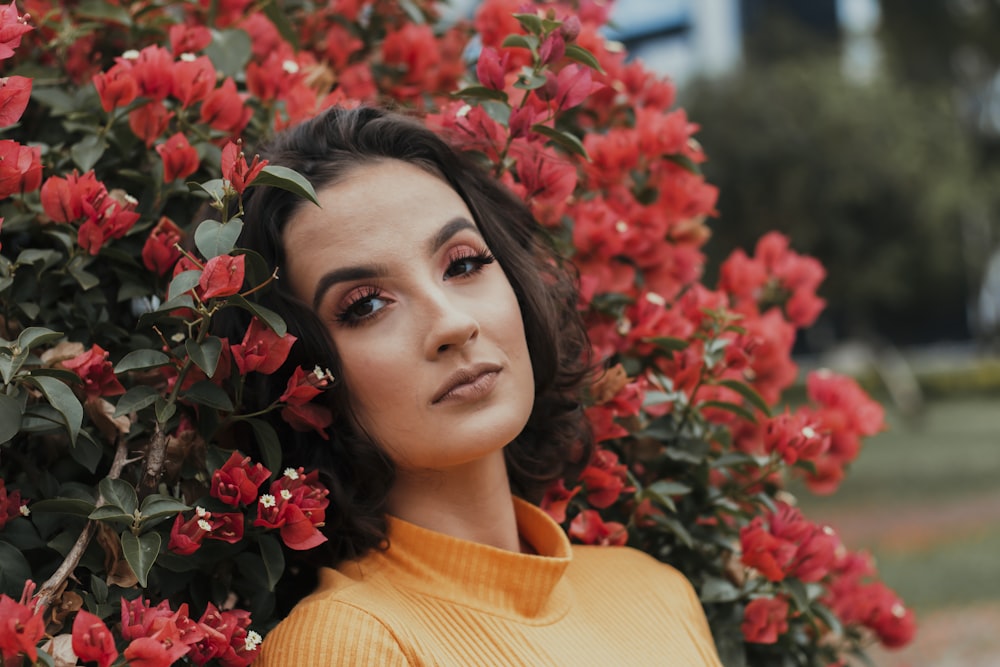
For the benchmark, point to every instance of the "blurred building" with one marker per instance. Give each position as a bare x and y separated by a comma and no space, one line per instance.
684,39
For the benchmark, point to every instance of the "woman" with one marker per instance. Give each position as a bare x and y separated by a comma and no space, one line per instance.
459,361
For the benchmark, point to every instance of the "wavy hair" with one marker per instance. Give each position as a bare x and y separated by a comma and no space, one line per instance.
555,440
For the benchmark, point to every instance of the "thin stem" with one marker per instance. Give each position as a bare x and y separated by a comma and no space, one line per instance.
53,586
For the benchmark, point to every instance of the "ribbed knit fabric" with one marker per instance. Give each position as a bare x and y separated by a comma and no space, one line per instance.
432,599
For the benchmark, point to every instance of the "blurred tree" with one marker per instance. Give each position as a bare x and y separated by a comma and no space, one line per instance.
872,179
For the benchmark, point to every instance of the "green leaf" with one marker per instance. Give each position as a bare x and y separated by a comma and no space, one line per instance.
737,410
564,139
62,399
205,354
164,410
10,417
498,111
583,56
267,443
135,399
138,360
73,506
84,278
11,362
181,301
413,12
182,283
274,559
158,505
229,51
103,11
269,317
30,309
88,151
287,179
715,589
276,12
530,22
732,459
749,393
829,618
481,93
33,336
141,553
120,493
14,571
215,238
216,188
676,527
521,41
87,451
209,394
111,514
684,162
798,593
528,80
667,343
68,377
666,487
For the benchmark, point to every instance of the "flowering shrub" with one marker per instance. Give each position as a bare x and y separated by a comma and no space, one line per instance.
127,510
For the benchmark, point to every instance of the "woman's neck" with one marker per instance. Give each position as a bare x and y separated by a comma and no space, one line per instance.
471,502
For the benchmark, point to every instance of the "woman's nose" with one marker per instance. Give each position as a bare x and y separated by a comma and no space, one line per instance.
452,323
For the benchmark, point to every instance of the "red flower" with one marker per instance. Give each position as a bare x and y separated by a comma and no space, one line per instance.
590,528
552,48
226,527
237,481
222,276
20,627
296,504
96,371
20,168
262,350
188,38
225,110
546,177
764,619
570,87
604,478
762,550
186,536
557,497
92,641
194,79
117,87
795,437
150,121
228,638
235,169
180,159
161,649
160,252
491,68
15,91
11,505
153,69
415,52
12,28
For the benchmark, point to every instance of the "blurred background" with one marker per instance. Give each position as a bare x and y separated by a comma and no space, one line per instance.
868,131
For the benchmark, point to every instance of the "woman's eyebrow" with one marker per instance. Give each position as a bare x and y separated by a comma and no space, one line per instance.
344,274
450,228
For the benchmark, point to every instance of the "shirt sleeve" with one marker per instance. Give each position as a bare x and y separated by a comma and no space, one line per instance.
331,634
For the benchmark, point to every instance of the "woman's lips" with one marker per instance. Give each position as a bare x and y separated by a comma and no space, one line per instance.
468,384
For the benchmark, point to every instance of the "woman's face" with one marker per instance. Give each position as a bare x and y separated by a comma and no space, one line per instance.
425,323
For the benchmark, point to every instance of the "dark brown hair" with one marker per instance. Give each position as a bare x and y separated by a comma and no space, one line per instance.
358,473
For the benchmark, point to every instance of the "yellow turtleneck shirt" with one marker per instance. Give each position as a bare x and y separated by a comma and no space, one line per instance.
432,599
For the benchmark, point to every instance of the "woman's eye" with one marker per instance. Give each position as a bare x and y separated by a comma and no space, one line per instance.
468,264
364,306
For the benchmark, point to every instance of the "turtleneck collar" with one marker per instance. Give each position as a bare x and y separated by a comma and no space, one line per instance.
525,587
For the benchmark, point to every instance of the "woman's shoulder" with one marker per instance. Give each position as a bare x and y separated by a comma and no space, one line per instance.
627,569
334,626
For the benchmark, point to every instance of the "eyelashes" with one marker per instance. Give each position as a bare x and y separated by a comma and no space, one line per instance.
367,302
